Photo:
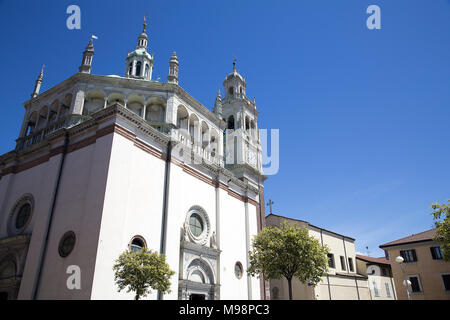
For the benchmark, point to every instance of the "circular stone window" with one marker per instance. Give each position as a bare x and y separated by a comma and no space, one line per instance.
238,270
20,215
197,225
23,216
66,244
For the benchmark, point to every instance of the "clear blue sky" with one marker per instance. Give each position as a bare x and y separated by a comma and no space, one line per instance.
363,114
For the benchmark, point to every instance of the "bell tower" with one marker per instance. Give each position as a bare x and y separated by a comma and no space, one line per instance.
139,63
243,154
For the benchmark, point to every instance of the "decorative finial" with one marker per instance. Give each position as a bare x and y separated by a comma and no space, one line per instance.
41,75
37,86
145,22
234,65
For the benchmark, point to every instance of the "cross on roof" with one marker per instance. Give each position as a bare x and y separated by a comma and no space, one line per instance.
270,203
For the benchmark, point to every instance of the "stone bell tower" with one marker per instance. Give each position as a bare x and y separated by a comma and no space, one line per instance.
139,63
243,146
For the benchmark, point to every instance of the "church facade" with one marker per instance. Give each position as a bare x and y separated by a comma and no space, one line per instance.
104,164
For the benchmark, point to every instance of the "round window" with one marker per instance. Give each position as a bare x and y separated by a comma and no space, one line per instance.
197,227
66,244
238,271
20,215
23,216
196,224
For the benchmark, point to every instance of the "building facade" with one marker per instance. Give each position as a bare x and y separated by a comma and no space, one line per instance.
108,163
423,266
379,274
341,282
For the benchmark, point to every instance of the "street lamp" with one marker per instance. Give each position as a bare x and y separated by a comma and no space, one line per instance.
406,282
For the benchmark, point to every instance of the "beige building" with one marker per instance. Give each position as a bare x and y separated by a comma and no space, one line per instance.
342,282
379,273
423,266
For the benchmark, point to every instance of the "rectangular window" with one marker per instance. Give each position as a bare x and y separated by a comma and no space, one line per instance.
350,264
375,289
446,280
343,263
388,291
384,272
436,253
415,284
330,260
409,255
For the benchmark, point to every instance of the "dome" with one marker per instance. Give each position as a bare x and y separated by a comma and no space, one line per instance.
234,74
143,35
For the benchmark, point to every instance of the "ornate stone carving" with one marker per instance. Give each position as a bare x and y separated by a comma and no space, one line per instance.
213,240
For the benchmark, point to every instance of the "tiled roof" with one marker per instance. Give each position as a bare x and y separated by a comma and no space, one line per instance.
381,260
418,237
287,218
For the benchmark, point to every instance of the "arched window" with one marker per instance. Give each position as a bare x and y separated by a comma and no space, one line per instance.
230,90
230,122
147,69
137,244
130,69
31,123
238,270
247,123
138,68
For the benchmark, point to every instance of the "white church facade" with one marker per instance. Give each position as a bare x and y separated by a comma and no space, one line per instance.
107,163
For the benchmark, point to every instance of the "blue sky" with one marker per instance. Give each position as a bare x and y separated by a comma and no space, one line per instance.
363,114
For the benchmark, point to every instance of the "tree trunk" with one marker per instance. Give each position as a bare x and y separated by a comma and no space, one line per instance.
290,287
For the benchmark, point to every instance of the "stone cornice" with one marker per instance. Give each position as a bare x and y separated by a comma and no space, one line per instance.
203,250
42,151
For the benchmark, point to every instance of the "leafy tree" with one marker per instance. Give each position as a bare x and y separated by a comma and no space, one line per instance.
141,270
288,252
441,216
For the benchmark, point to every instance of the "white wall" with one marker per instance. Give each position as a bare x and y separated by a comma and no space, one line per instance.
133,206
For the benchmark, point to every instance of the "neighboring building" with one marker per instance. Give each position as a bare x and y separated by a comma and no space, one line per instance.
106,163
379,273
423,264
341,282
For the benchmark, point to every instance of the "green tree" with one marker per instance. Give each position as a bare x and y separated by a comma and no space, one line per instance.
288,252
139,271
441,218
